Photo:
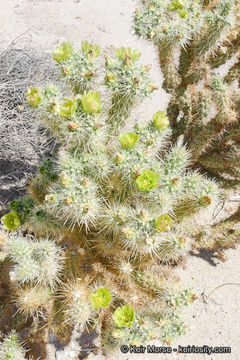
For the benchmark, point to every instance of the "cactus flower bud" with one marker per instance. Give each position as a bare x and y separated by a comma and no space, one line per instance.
89,74
49,197
64,179
119,158
160,120
163,223
147,180
72,126
68,200
110,78
66,70
205,201
91,102
129,140
90,49
132,55
34,96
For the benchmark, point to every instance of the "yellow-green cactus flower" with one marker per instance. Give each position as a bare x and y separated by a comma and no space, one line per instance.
91,102
177,4
163,223
129,140
101,298
124,316
92,50
11,221
160,120
62,52
122,53
147,180
34,96
68,107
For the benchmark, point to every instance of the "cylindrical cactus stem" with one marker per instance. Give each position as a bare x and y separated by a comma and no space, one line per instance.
222,99
224,235
120,110
185,105
218,23
11,347
224,52
233,73
169,69
231,136
173,112
185,60
222,162
34,301
203,136
129,82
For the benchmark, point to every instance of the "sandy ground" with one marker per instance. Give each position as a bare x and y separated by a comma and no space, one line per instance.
43,24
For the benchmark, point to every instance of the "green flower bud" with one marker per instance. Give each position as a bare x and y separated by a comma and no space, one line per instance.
90,49
62,52
163,223
129,140
34,96
66,70
11,221
68,107
109,62
101,298
182,13
123,53
110,78
91,102
160,120
147,180
205,201
124,316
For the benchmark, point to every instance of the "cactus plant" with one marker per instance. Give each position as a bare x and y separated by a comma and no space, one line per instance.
11,348
204,107
106,212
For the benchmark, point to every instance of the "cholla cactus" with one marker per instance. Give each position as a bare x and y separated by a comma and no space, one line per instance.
107,211
128,81
35,261
11,348
206,113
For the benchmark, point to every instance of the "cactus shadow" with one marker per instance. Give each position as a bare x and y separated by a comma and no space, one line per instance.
86,341
208,255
